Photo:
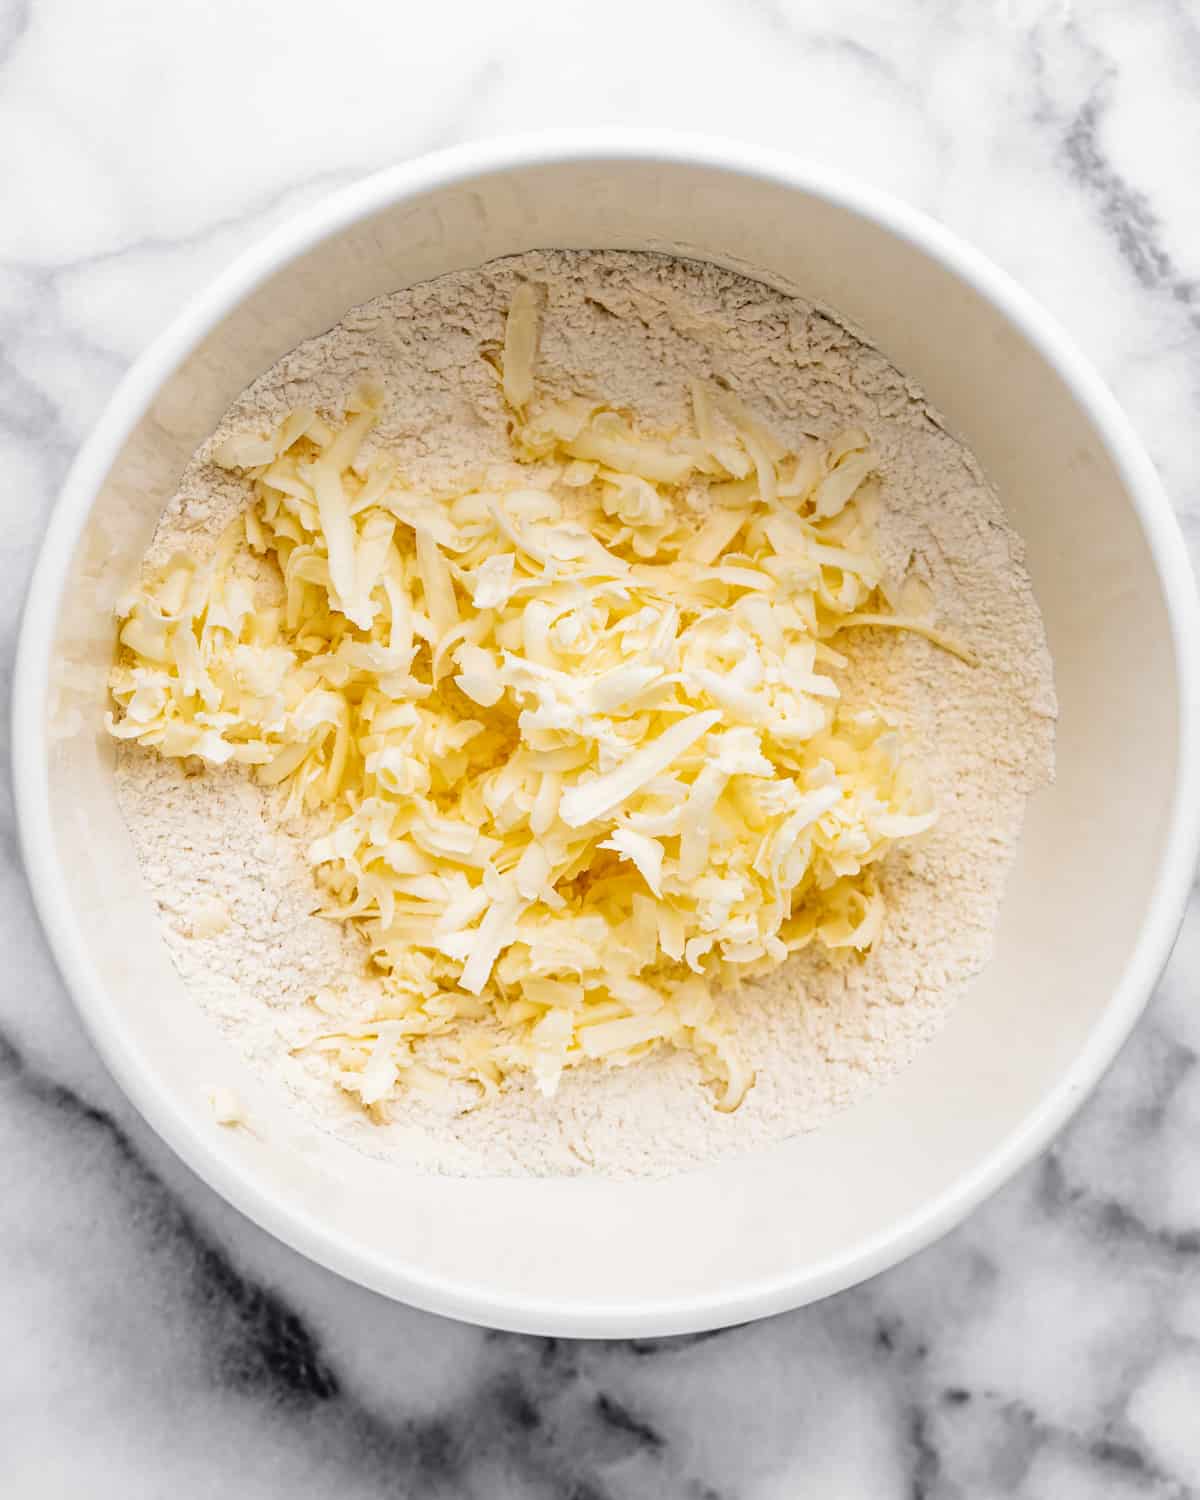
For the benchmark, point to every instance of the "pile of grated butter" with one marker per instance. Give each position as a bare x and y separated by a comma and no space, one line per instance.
576,746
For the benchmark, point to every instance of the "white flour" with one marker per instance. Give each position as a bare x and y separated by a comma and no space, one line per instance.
632,329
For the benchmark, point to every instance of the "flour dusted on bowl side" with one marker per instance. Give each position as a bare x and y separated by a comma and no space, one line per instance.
233,885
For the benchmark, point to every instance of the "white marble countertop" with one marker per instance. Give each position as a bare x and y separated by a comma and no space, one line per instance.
156,1344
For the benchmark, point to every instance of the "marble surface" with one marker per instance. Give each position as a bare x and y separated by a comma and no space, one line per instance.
156,1344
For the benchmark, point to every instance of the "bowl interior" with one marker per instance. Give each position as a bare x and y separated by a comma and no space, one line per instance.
807,1216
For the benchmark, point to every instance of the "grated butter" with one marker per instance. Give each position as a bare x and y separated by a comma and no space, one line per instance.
578,745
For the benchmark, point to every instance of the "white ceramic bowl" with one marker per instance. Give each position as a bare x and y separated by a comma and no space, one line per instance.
1093,903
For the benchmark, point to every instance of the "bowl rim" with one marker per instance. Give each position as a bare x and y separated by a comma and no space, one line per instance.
321,1242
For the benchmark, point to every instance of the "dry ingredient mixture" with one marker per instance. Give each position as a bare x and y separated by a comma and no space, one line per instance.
640,334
